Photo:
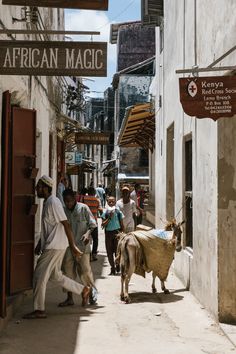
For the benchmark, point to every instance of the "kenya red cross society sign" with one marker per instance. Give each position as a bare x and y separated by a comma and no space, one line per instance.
208,97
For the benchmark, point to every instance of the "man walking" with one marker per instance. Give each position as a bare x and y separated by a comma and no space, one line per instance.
95,206
136,196
61,187
101,194
113,224
128,207
56,233
82,223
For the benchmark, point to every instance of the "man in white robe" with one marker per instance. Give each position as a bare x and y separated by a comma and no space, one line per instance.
56,234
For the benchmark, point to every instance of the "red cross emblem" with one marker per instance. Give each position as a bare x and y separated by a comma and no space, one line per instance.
192,89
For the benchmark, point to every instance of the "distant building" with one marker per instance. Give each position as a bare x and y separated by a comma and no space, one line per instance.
135,43
135,63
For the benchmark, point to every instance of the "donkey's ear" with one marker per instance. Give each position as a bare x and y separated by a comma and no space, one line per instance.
182,222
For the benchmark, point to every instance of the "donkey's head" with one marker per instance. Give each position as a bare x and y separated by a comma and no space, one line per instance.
177,232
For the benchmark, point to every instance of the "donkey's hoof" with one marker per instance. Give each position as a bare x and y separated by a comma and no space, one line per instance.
154,290
127,300
166,291
122,298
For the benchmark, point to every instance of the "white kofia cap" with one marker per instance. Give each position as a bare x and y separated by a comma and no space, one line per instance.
47,180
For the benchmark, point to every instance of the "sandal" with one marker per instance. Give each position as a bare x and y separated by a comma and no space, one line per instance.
66,303
85,295
35,315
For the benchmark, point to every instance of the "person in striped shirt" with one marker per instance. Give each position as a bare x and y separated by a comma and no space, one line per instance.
95,206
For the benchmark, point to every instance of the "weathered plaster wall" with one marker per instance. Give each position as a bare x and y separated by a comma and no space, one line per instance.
227,219
211,47
154,92
201,271
135,44
131,163
133,89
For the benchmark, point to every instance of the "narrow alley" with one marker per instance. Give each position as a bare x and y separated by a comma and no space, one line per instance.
151,324
123,110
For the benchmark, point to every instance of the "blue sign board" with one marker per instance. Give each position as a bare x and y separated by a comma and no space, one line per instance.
78,158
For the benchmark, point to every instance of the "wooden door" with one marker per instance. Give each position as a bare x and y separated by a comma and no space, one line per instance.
22,202
6,115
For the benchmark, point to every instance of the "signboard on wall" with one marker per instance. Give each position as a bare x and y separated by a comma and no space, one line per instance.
78,158
70,4
93,138
208,97
70,157
53,58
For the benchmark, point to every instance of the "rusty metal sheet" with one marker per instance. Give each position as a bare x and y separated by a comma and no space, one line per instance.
53,58
75,4
208,97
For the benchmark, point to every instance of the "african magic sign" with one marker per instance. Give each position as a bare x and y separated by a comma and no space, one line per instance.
208,97
74,4
53,58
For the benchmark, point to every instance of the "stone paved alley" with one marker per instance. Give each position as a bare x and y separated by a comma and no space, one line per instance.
151,324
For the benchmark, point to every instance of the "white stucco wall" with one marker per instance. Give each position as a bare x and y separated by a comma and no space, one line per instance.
30,92
215,33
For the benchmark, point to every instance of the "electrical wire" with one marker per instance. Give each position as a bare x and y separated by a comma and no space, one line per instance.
114,18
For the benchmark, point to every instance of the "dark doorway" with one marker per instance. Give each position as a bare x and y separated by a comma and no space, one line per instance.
188,194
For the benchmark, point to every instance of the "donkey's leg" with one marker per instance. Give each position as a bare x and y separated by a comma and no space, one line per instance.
129,272
166,291
122,275
154,290
127,280
122,279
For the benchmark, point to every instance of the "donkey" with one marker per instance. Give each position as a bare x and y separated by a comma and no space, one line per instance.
131,258
177,236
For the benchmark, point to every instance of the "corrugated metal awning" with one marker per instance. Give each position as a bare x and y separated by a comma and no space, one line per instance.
138,127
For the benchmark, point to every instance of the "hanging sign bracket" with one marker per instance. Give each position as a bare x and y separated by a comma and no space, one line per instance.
194,70
22,31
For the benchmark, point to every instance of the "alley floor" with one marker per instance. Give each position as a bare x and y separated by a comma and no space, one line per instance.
151,324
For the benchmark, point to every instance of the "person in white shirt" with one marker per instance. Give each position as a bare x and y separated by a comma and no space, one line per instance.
61,187
56,234
135,195
128,207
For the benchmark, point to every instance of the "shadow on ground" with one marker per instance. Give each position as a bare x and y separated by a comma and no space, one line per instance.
59,332
158,297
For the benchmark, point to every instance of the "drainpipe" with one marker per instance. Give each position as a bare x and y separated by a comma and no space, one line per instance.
195,32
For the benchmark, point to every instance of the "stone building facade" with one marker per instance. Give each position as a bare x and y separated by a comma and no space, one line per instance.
195,158
30,107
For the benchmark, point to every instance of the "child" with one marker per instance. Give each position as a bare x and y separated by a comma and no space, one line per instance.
113,224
